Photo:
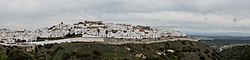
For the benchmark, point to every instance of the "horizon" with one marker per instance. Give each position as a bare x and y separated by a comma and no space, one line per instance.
194,17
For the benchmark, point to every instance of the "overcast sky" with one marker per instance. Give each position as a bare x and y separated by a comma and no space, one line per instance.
187,15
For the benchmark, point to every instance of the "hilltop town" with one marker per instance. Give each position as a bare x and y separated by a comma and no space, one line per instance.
90,31
95,40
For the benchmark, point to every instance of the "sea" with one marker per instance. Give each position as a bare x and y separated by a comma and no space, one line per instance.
223,40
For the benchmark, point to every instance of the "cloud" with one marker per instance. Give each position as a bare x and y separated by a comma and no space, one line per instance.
201,15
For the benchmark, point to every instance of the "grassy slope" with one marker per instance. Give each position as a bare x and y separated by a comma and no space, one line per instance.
185,50
237,53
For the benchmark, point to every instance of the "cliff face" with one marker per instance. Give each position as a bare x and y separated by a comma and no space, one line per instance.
173,50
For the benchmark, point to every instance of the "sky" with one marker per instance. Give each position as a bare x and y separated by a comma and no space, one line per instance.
191,16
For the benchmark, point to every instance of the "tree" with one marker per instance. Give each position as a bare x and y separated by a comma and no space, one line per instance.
96,52
16,54
106,32
66,56
98,31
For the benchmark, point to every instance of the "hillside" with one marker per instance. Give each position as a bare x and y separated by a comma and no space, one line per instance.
173,50
237,53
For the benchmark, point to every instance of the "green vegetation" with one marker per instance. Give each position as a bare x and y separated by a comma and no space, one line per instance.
14,53
3,56
237,53
17,54
186,50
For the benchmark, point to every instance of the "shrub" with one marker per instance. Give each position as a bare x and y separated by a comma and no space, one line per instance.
3,56
48,46
66,56
16,54
96,52
206,51
202,57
